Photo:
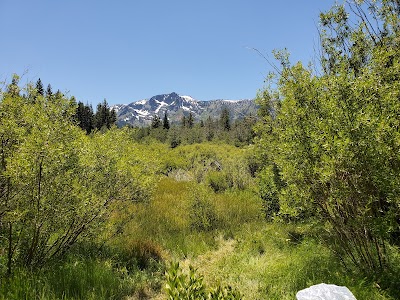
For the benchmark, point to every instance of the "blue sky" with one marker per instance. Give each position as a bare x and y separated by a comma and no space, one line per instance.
125,51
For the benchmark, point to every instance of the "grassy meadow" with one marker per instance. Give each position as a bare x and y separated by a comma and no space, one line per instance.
202,218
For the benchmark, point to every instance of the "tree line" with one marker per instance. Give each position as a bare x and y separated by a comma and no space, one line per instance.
104,117
188,131
85,117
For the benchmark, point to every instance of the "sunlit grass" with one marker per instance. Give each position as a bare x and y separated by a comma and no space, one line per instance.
223,234
259,259
264,262
165,221
86,279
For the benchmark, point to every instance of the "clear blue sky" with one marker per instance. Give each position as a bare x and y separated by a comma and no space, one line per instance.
128,50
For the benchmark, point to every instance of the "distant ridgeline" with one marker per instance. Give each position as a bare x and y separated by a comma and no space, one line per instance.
141,113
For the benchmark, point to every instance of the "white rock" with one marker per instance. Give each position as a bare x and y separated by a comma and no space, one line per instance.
325,291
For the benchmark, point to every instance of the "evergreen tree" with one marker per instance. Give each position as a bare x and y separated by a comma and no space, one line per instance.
112,118
156,122
78,117
84,117
190,120
89,118
209,129
49,91
242,131
39,87
104,117
174,138
225,119
184,121
166,122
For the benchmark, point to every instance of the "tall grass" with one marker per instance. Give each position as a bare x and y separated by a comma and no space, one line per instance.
71,280
176,217
258,259
87,274
221,232
165,221
271,261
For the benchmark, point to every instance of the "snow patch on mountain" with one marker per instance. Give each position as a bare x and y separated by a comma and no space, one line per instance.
141,113
188,99
232,101
161,104
141,101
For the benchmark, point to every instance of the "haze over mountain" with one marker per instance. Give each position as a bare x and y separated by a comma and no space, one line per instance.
140,113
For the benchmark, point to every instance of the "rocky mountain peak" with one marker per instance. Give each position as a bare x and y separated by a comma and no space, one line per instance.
141,113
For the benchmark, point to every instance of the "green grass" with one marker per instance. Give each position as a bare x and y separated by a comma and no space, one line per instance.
83,276
266,263
71,280
259,259
167,220
222,234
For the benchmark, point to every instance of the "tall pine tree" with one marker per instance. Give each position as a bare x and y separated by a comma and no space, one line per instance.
84,117
190,120
156,122
49,92
184,121
166,122
225,119
39,87
104,117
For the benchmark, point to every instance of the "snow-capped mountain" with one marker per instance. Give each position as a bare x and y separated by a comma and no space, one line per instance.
141,113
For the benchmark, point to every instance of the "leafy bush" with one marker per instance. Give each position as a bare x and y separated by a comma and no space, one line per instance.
191,286
334,135
217,181
202,212
268,192
182,286
61,184
238,174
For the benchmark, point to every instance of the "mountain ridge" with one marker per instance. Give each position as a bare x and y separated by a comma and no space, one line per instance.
141,113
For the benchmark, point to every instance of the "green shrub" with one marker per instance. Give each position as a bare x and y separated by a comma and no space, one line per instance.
202,213
217,181
238,175
182,286
141,254
191,286
269,192
224,293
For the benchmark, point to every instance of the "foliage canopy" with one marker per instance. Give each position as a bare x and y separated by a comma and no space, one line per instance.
57,184
332,139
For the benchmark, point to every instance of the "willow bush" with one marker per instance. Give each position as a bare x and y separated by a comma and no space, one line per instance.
333,136
58,185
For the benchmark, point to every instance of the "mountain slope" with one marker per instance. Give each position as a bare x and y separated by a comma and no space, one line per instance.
141,113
